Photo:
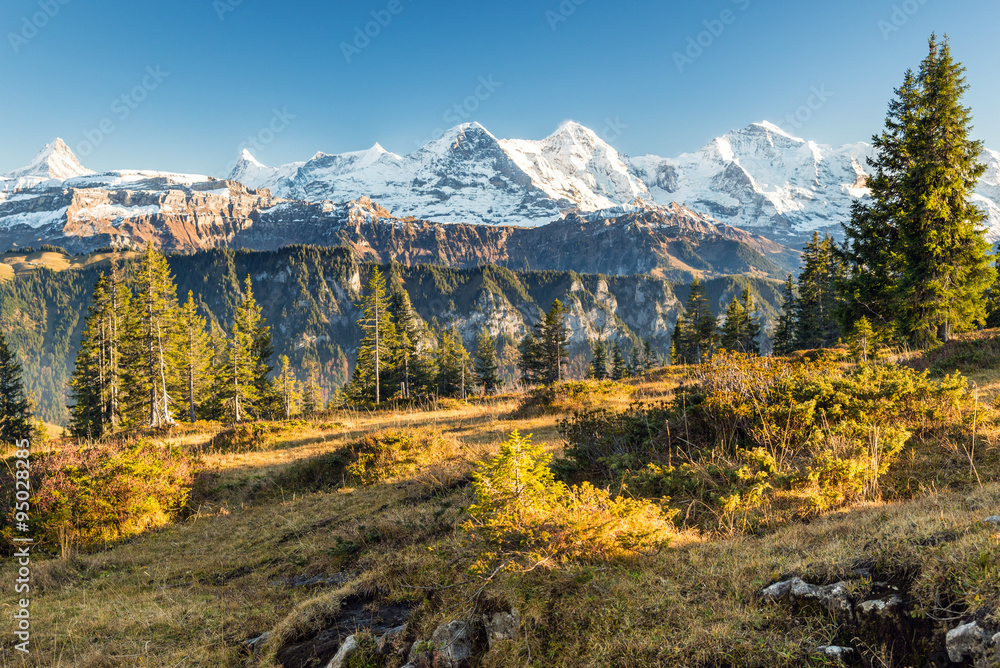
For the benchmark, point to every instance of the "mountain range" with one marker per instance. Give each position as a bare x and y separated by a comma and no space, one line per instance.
760,179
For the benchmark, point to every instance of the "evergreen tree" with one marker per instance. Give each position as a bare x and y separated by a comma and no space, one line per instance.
817,306
916,253
553,337
15,409
150,342
287,388
91,381
404,349
635,366
741,329
784,333
946,261
195,356
530,360
487,367
312,399
617,362
374,352
599,360
649,357
453,364
242,371
694,335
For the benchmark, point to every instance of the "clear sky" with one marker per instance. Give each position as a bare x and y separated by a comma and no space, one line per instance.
184,85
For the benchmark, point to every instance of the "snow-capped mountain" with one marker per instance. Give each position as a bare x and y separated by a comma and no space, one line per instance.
54,161
764,179
467,175
760,178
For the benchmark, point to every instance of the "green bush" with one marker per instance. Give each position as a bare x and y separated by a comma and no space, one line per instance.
754,441
521,508
90,495
570,396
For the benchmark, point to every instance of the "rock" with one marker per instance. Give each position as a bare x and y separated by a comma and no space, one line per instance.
390,641
881,606
344,654
992,519
453,644
835,652
502,626
256,643
832,598
421,654
970,641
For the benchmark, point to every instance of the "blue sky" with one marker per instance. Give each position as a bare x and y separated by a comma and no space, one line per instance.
185,85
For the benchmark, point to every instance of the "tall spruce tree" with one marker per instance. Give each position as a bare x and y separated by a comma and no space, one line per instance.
946,261
916,254
818,304
287,387
531,360
374,352
599,360
15,409
783,341
241,375
150,342
741,329
617,362
90,414
486,365
694,334
404,349
194,356
554,339
454,373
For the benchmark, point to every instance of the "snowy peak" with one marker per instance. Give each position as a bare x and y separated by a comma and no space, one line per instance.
246,157
54,161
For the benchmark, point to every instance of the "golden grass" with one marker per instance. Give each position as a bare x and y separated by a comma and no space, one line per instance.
192,593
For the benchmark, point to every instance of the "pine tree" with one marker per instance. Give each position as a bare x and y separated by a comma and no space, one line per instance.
741,329
453,364
694,335
90,384
917,256
374,352
862,340
649,357
819,297
553,337
150,342
945,255
195,356
312,399
530,360
287,388
599,360
486,367
635,367
242,371
404,349
784,334
15,409
617,362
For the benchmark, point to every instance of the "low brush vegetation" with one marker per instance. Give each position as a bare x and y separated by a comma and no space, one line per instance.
634,526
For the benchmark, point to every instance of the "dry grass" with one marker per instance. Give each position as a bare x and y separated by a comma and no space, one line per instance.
192,593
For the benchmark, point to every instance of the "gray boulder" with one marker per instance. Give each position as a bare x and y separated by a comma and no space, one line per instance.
344,654
502,626
454,644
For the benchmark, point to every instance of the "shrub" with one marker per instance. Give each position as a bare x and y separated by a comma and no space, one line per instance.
570,396
89,495
391,453
521,507
755,441
250,437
